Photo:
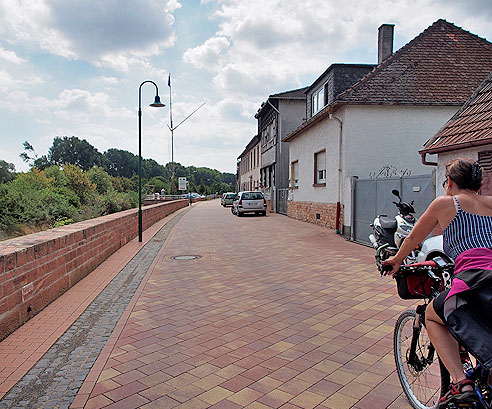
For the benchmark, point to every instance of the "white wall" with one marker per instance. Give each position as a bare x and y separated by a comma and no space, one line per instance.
391,136
445,157
302,149
374,137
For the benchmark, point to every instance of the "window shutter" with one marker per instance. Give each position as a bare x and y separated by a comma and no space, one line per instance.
485,161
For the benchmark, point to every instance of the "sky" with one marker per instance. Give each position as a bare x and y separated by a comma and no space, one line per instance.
74,67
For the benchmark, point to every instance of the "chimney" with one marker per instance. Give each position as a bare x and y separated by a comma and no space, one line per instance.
385,41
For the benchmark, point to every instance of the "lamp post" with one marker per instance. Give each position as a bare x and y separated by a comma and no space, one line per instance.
156,103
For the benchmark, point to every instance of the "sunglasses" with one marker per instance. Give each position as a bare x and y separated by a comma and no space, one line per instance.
445,181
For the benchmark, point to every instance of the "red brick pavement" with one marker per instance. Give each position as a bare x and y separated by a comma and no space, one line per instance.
276,313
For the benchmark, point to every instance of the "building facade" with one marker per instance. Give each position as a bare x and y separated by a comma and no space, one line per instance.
249,163
277,117
376,126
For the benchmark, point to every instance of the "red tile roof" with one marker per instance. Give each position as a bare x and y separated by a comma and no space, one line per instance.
441,66
470,126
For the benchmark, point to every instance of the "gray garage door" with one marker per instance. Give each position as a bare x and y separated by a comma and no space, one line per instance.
373,197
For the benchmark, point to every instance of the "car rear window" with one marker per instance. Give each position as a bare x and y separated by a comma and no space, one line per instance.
230,196
252,196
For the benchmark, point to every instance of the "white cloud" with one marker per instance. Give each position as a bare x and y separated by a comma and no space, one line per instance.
256,52
10,56
9,83
207,54
100,31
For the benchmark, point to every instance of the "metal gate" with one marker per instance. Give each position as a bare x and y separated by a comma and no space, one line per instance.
373,197
283,195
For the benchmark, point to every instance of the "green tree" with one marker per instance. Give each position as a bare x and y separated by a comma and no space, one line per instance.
74,151
7,171
119,162
101,179
79,182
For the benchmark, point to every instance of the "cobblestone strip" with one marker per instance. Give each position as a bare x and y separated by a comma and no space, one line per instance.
55,380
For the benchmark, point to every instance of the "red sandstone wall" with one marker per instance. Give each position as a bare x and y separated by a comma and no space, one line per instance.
37,268
306,211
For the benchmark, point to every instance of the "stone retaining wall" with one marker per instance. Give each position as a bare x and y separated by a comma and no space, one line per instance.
307,211
37,268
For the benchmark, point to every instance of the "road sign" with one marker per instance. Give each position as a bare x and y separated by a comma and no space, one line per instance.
182,183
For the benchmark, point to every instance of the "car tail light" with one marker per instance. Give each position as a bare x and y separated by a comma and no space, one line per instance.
240,203
264,201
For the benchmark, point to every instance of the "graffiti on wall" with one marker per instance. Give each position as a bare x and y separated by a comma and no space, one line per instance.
389,171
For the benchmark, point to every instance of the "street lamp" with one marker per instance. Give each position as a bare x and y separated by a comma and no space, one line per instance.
157,103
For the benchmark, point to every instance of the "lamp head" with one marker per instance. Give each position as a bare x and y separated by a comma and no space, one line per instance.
157,102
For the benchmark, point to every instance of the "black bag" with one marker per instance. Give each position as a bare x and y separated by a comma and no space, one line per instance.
415,284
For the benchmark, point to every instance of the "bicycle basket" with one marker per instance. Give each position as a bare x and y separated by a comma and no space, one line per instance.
416,284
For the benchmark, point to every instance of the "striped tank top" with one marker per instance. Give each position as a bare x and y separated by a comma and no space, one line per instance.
466,231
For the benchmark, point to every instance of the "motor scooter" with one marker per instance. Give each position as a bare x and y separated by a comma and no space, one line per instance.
389,234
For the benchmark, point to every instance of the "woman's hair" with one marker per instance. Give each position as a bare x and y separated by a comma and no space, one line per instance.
466,173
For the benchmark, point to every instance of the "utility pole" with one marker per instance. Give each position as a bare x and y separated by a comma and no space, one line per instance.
172,128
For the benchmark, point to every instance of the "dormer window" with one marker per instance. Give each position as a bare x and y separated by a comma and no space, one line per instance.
318,101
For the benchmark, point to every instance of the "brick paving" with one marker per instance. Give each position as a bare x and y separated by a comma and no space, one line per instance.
276,313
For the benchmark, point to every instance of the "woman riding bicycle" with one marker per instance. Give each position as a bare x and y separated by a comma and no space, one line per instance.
463,311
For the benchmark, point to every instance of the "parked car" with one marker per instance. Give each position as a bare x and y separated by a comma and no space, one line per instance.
228,199
249,202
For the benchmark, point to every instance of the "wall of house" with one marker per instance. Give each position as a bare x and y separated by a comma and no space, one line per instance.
292,115
249,169
302,149
322,214
308,200
381,140
376,141
38,268
471,153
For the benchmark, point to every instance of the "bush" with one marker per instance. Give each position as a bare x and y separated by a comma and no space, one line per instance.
30,200
100,179
118,201
78,181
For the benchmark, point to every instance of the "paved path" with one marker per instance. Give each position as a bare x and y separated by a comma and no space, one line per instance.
275,313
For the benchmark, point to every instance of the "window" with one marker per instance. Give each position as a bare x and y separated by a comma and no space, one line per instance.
252,196
294,174
318,101
320,167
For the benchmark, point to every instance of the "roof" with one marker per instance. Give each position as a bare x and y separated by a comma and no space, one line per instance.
297,94
470,126
251,143
293,94
441,66
319,80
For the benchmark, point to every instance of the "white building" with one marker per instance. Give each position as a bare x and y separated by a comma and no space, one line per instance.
376,126
249,163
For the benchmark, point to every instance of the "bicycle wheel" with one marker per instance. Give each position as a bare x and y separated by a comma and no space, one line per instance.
423,378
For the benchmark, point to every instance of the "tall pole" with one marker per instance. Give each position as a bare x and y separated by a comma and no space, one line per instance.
156,103
172,133
140,163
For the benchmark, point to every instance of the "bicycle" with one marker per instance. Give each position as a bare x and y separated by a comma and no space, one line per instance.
422,375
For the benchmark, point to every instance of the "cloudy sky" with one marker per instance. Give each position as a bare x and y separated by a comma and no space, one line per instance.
73,67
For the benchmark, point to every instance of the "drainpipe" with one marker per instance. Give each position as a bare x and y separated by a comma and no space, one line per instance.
425,161
339,196
277,171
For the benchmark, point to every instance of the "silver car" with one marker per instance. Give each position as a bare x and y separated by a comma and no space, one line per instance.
249,202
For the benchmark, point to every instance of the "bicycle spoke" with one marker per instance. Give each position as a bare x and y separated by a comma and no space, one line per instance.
421,381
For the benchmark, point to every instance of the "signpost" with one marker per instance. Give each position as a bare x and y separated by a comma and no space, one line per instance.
182,183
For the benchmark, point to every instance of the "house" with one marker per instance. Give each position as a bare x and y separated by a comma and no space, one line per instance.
249,166
374,129
277,117
467,134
